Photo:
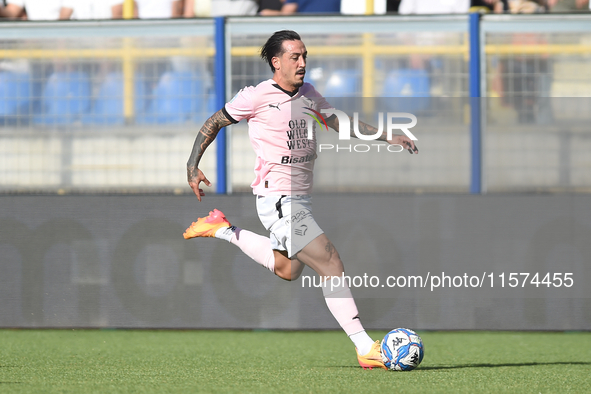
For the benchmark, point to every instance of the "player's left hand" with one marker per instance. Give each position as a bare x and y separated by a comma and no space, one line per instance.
195,177
405,142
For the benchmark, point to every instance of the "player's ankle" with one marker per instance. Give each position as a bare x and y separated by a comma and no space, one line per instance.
363,342
226,233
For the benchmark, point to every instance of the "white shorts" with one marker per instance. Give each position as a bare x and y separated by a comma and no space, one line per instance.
290,221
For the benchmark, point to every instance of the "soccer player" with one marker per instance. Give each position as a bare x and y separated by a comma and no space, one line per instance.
274,110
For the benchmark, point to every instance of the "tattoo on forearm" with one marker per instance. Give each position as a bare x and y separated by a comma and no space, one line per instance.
204,138
366,129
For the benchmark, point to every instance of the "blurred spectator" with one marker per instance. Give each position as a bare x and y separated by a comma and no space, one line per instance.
35,10
213,8
233,7
392,6
526,80
270,5
567,5
307,6
433,6
197,8
356,7
159,9
92,9
496,6
525,7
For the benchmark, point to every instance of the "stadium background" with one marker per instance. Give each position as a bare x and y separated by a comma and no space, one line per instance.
96,134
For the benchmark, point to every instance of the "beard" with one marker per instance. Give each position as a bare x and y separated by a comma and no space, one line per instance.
298,84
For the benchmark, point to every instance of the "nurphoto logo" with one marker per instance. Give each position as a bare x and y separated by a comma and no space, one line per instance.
392,119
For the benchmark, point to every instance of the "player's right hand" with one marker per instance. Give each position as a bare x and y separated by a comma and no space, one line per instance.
195,177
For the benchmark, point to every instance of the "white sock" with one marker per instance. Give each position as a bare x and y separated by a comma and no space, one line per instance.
225,233
362,342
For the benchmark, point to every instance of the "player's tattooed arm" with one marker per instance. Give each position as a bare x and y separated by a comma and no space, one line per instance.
205,137
333,122
366,129
397,139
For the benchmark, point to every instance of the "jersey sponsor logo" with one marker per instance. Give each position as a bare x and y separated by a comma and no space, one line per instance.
298,144
297,137
296,159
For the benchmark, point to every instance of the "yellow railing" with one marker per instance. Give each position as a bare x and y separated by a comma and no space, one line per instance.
129,55
538,49
102,53
367,51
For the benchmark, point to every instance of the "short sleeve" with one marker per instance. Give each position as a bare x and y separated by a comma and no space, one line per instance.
241,106
321,102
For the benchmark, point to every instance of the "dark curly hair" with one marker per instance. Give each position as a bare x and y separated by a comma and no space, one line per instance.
274,45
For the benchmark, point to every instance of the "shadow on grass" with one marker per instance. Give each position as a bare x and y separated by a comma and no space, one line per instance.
461,366
534,364
9,366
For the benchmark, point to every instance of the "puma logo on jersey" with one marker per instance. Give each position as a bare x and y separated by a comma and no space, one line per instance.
275,106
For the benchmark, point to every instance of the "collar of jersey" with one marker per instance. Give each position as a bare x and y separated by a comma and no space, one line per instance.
290,94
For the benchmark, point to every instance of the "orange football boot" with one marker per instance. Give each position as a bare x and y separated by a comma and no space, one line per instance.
207,226
372,359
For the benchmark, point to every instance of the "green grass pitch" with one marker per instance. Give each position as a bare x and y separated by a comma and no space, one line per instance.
128,361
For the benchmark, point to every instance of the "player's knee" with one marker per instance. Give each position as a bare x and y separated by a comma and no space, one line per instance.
282,266
287,269
284,273
296,275
335,257
335,264
296,271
